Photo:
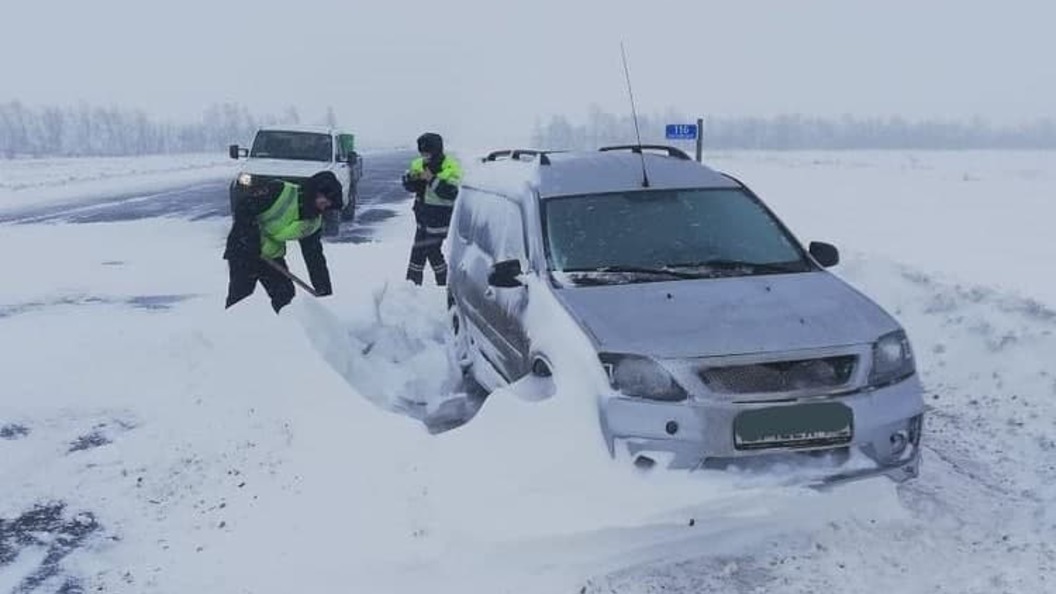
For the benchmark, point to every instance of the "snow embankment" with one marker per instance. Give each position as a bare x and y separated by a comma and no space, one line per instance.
35,182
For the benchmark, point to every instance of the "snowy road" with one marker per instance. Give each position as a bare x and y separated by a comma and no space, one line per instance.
152,442
379,191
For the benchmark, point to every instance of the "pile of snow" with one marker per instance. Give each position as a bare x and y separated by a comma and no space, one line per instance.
36,182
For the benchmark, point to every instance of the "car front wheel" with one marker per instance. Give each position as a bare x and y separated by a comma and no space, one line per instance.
459,341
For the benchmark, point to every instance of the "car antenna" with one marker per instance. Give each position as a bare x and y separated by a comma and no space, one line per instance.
634,114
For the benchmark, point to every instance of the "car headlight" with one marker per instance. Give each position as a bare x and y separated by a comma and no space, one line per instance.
892,359
245,179
641,377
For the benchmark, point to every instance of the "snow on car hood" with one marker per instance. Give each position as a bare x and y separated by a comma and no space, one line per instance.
726,316
284,167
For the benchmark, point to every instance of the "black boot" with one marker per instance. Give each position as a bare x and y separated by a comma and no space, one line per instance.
415,276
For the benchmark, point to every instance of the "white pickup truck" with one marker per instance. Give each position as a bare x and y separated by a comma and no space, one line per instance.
295,153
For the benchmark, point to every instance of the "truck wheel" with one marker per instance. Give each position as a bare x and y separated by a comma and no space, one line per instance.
348,213
231,198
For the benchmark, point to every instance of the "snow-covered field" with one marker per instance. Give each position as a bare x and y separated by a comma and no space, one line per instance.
981,217
152,442
37,182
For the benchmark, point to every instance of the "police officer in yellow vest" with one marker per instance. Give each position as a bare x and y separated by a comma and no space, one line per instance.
268,215
434,179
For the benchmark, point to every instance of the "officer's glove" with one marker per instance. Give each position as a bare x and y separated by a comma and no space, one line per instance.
413,183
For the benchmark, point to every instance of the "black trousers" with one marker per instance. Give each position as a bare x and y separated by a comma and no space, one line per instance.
243,275
427,247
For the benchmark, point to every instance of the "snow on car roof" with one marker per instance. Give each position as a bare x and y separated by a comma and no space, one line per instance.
298,128
587,173
573,173
507,177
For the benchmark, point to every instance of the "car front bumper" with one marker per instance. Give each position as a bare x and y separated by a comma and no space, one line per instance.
885,435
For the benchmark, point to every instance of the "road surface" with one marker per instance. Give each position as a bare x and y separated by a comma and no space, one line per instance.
380,195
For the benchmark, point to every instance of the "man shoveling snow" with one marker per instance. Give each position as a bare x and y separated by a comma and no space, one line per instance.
265,217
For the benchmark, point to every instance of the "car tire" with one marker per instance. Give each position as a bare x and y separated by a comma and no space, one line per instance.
331,224
459,341
348,213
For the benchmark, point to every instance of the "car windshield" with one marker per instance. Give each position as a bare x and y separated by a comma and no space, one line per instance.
299,146
663,235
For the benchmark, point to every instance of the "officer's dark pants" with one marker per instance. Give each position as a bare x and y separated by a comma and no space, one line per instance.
243,275
427,247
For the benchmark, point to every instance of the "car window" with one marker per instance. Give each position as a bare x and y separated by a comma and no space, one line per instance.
497,225
662,228
300,146
464,213
345,146
510,240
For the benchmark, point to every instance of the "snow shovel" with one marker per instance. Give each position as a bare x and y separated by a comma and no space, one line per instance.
290,275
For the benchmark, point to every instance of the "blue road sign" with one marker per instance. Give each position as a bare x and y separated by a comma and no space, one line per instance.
681,131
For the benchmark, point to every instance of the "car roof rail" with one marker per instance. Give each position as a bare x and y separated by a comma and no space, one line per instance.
733,179
638,148
517,153
494,155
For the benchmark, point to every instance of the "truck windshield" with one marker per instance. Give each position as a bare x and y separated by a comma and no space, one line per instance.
665,234
299,146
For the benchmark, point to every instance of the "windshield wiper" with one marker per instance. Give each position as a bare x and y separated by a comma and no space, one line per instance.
724,264
636,270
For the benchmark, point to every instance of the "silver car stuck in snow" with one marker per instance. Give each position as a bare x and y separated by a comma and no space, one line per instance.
723,340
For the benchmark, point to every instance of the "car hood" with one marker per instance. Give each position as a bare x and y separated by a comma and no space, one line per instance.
284,168
726,316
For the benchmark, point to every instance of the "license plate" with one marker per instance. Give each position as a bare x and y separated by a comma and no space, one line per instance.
802,425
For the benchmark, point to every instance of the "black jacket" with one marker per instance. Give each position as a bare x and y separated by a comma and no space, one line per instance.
243,241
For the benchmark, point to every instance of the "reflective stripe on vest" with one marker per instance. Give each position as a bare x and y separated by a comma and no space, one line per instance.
431,197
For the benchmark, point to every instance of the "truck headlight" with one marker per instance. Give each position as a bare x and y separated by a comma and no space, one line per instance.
892,359
641,377
245,179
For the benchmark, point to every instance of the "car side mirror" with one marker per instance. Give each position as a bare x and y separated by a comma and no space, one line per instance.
234,151
504,274
825,253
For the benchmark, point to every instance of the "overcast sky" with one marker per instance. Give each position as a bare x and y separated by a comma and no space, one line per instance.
480,71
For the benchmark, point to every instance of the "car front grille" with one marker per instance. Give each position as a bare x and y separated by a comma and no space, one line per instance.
821,374
262,179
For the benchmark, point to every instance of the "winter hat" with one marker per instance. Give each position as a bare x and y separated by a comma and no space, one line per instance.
431,143
325,183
